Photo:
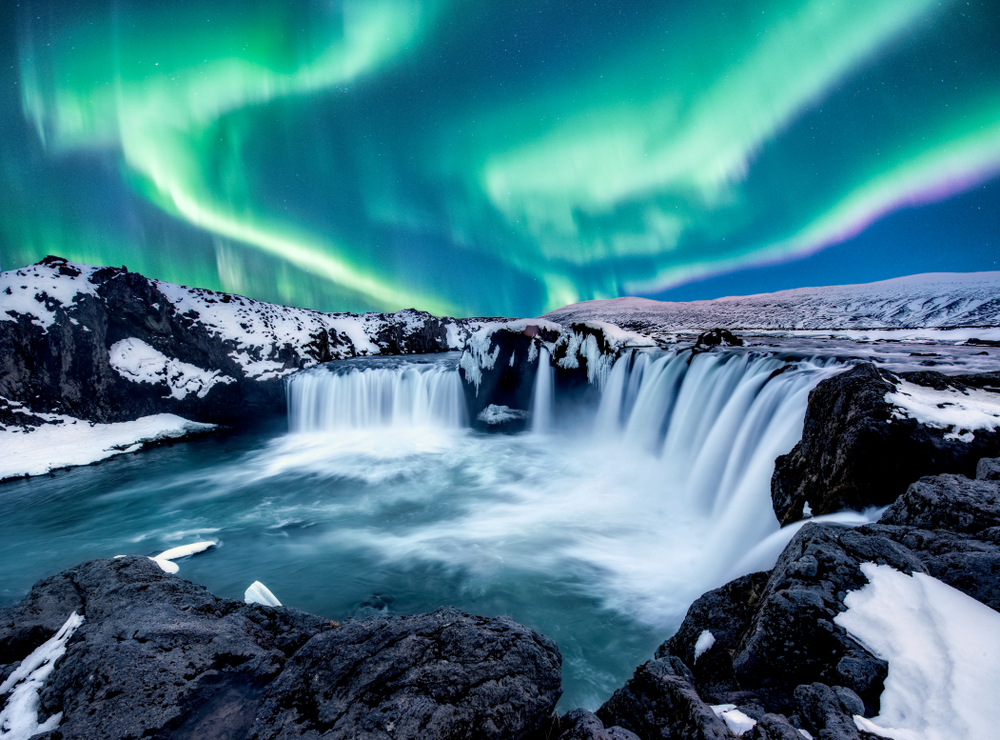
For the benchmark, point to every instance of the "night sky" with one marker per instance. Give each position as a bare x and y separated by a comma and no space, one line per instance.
501,156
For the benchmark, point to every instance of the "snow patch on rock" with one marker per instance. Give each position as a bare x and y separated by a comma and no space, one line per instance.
942,647
19,718
258,593
37,290
135,360
961,412
705,640
736,721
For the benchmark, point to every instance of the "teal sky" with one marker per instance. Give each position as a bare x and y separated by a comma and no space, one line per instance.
501,157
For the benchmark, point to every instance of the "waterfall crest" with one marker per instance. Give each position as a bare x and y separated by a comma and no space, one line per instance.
398,395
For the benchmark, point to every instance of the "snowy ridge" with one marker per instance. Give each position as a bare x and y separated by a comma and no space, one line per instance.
265,340
36,290
944,300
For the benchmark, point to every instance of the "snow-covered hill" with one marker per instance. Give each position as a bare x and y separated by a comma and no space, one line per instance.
105,345
919,301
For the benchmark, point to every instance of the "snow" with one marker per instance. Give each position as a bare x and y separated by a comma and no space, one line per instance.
258,593
961,412
25,291
736,721
455,337
917,301
494,414
19,718
135,360
258,330
66,441
168,566
705,640
942,647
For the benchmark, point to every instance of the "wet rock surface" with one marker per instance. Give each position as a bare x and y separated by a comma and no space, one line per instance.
158,656
858,451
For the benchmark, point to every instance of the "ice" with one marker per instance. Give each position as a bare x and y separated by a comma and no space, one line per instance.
135,360
19,718
943,649
258,593
494,414
184,550
168,566
705,640
66,441
736,721
961,412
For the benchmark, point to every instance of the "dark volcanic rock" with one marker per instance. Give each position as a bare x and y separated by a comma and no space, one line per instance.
777,648
660,701
988,468
440,675
160,657
583,725
858,451
951,502
500,365
774,632
717,338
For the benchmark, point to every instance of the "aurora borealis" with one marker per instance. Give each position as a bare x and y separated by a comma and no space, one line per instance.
475,158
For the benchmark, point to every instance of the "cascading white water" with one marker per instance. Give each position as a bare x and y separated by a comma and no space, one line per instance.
542,395
400,395
677,463
716,421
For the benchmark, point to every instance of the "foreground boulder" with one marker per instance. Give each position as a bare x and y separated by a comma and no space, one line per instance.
158,656
861,448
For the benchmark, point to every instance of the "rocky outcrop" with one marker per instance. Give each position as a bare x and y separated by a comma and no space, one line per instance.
109,345
776,651
716,338
860,449
158,656
500,364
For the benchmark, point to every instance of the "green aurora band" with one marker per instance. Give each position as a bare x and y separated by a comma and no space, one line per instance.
489,157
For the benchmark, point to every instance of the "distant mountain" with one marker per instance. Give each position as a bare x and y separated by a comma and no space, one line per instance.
940,299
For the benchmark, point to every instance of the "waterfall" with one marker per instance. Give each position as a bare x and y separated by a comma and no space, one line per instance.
716,421
398,394
542,395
